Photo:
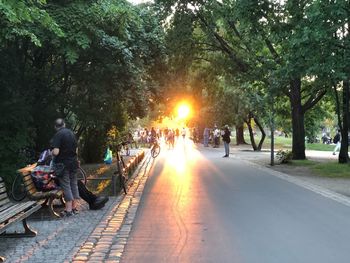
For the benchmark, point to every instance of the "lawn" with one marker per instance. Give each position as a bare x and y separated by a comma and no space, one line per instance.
286,144
325,169
331,169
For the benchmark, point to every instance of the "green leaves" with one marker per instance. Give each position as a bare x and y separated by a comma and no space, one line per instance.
25,19
95,63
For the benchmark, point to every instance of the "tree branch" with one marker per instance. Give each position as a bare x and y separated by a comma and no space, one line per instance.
313,99
225,47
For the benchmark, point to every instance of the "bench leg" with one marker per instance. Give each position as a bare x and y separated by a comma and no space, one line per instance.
63,201
50,206
45,202
27,232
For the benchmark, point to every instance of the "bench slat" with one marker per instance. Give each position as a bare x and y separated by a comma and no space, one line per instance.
4,202
31,188
43,195
5,206
14,210
3,192
10,213
21,216
28,169
2,188
33,193
3,195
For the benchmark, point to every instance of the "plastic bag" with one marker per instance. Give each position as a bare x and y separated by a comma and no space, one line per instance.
108,156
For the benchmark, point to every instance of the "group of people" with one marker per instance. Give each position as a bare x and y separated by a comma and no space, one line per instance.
147,136
215,135
64,149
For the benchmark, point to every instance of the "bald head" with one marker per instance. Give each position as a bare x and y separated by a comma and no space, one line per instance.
59,123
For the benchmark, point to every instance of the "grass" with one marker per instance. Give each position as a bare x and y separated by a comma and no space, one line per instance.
101,170
325,169
303,163
280,142
320,147
332,170
286,144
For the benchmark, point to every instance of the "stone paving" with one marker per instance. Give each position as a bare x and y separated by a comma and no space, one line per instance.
90,236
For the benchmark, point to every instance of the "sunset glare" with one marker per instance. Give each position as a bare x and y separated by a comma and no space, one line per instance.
183,111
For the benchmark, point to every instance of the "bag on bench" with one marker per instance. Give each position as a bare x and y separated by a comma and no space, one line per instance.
43,179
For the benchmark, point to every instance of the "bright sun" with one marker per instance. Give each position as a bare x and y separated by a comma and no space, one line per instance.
183,111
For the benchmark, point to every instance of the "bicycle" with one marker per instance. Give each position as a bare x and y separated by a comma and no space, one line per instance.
18,189
126,148
121,167
155,148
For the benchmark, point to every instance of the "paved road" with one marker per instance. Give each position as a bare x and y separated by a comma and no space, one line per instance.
200,207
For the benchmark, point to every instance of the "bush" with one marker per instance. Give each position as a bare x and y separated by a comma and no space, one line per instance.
284,156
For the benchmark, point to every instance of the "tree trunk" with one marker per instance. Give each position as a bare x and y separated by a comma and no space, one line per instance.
251,134
263,134
240,135
298,147
343,154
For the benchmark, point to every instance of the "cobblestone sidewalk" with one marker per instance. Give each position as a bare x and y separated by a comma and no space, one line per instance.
90,236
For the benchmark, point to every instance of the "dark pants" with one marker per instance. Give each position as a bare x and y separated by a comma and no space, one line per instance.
85,194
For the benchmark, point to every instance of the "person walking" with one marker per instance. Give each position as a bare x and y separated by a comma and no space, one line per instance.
216,137
337,141
226,138
206,137
183,133
64,151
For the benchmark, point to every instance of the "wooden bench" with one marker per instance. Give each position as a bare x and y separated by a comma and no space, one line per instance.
35,195
11,213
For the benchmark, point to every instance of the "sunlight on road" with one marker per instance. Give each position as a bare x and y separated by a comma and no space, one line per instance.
177,207
182,169
180,193
183,155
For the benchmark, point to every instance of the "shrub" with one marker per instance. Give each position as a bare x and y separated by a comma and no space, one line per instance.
284,156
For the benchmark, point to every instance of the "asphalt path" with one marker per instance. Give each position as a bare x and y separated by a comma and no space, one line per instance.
200,207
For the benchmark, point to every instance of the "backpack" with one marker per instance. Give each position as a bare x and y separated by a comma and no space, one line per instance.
336,138
42,179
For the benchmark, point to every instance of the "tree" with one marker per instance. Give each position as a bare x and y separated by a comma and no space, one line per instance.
95,63
272,42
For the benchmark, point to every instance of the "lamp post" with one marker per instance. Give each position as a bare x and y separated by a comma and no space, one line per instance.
272,123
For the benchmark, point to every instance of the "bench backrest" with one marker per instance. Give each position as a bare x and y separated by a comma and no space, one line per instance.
4,200
28,182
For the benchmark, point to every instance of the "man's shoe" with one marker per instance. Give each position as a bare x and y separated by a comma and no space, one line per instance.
75,211
99,203
65,213
225,156
333,153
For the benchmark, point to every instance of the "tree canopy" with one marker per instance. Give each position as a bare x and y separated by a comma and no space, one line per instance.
99,64
94,63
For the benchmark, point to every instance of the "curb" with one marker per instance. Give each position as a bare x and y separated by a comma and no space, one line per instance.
107,241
